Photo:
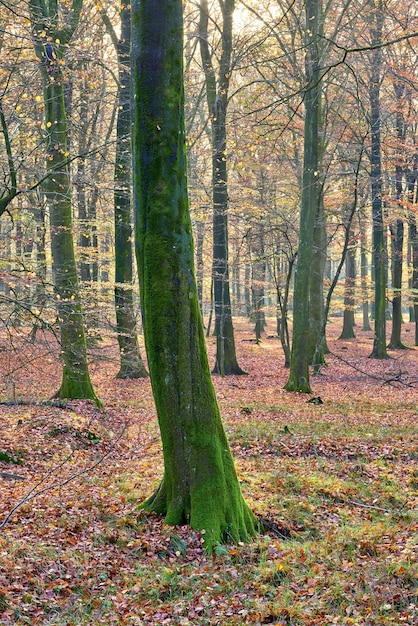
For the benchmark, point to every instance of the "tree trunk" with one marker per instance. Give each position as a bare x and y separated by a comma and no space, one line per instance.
350,275
200,236
217,98
131,363
364,275
397,229
76,381
311,192
258,279
378,241
200,485
397,257
316,285
413,242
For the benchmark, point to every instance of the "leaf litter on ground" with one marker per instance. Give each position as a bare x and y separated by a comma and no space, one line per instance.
334,482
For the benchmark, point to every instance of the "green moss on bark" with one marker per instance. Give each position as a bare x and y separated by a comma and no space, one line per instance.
76,381
200,486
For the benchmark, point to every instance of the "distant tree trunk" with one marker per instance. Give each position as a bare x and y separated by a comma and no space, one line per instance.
200,236
413,242
316,284
76,381
200,485
411,181
364,275
379,250
397,232
350,275
311,192
236,281
257,280
397,229
247,290
217,99
84,240
131,363
282,305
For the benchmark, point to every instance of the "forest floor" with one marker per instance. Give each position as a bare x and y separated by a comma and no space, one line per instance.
338,478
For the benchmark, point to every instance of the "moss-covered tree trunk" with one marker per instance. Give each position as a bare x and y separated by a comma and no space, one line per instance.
50,39
200,485
131,363
217,99
378,239
311,191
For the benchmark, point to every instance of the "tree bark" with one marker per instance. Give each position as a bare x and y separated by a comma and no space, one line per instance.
364,274
217,99
316,285
50,42
131,363
200,485
397,232
397,229
378,239
311,192
350,275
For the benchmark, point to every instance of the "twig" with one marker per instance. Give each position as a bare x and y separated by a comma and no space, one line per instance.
33,493
371,506
384,381
9,476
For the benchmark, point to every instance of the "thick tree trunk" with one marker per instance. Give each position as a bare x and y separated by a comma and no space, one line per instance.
76,381
311,192
131,363
200,485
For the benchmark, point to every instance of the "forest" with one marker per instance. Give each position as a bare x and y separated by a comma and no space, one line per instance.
208,312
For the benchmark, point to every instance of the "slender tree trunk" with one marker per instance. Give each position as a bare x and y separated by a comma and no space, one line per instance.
350,275
413,242
316,284
76,381
411,180
258,279
200,236
364,274
379,249
200,485
311,191
397,257
217,99
39,296
282,307
397,229
131,363
84,240
247,290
